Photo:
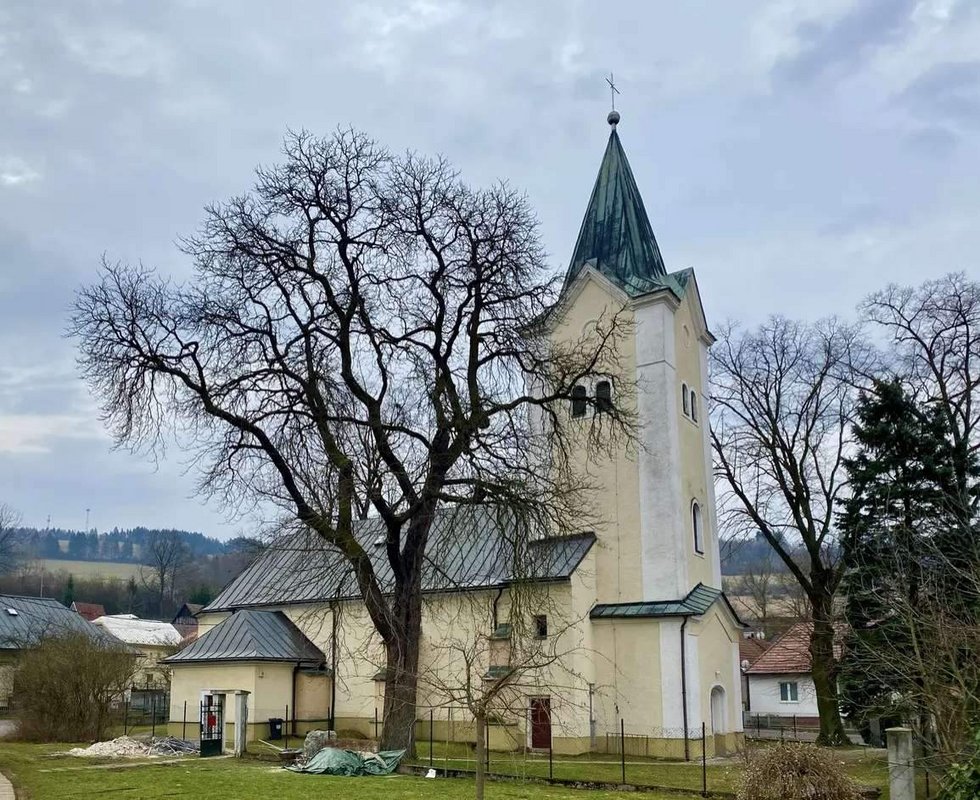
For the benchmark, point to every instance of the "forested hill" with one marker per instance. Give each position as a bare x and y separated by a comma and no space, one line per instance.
114,545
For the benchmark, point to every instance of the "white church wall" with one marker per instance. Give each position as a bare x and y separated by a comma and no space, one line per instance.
664,562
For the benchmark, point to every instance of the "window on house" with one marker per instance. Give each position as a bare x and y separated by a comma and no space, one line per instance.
789,692
694,405
603,397
698,527
685,400
579,402
541,626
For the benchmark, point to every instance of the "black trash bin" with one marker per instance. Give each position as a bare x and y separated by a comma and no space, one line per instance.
275,728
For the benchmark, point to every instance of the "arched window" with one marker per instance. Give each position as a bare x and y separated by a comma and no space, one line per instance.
579,402
603,397
685,400
697,525
694,405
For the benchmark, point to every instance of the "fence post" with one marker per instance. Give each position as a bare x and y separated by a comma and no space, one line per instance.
704,760
285,729
901,772
430,736
375,722
153,715
126,719
622,747
183,729
551,754
486,733
795,736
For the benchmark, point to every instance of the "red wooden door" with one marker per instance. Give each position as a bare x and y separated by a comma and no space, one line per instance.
541,723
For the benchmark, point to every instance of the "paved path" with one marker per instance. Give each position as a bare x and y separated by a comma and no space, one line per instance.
6,789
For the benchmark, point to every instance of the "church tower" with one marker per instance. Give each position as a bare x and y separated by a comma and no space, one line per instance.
659,613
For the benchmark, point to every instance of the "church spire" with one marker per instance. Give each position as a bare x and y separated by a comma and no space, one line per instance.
616,237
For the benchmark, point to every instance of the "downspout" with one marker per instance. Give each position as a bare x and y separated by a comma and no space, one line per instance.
333,666
292,728
687,751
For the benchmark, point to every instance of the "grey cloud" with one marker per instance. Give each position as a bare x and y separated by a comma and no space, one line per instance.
841,45
947,92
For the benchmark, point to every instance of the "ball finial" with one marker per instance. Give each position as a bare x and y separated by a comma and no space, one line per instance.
613,118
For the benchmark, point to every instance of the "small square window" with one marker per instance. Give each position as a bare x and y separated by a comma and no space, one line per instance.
541,626
789,692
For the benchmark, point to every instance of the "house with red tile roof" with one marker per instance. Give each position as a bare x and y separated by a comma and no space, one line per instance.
89,611
779,681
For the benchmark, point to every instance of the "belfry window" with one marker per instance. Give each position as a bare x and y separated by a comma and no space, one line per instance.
603,397
698,527
694,406
579,401
685,400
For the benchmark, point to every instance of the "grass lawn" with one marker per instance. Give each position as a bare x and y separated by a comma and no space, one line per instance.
92,569
37,776
868,767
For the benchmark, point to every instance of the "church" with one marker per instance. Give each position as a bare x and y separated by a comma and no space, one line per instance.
654,641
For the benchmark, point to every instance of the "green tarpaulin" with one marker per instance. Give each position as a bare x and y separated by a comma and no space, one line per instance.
331,761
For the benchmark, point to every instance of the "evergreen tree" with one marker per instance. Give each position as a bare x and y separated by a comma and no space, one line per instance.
904,524
68,595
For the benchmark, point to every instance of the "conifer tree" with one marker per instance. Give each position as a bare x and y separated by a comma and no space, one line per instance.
905,529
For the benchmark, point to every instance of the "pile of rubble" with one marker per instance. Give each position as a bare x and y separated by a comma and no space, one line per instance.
128,747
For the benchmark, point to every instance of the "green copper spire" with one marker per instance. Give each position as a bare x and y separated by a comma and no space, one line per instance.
616,237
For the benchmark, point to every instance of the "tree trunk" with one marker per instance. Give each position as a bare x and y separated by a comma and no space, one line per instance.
481,754
824,671
401,673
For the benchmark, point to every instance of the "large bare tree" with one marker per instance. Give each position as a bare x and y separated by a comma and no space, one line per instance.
783,400
935,337
361,337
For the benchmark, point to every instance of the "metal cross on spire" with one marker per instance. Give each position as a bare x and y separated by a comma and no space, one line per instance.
613,91
613,117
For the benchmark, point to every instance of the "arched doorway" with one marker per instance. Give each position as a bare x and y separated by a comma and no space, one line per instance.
718,722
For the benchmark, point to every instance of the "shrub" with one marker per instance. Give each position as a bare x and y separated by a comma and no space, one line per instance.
797,771
66,687
962,781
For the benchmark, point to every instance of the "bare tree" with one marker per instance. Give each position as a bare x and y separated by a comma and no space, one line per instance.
760,584
164,555
783,400
362,335
496,650
9,520
935,331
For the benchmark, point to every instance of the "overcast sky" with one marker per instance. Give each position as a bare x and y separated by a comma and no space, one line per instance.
797,154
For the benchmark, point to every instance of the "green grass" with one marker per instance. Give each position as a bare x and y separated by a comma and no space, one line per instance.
92,569
868,767
38,776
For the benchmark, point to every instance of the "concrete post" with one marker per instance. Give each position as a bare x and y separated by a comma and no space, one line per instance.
241,723
901,765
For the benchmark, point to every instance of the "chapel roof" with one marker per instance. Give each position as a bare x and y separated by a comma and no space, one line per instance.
694,603
470,547
249,635
616,237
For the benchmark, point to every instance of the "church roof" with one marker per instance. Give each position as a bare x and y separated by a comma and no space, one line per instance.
251,636
697,602
616,237
470,547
